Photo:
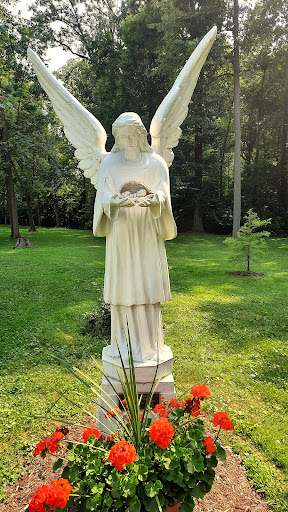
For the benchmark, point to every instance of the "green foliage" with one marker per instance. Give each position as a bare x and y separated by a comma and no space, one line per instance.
127,58
249,239
99,320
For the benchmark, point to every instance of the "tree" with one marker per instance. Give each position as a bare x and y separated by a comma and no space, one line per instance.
265,106
8,97
237,125
249,239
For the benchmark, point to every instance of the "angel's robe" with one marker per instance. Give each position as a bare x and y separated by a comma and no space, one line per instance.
136,271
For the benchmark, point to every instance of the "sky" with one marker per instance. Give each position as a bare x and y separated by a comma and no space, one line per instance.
57,56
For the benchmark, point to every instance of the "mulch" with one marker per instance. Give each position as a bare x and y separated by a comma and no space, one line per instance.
231,491
242,273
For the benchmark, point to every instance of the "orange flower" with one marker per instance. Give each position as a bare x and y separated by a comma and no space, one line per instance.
200,391
222,419
209,444
112,412
54,495
161,431
161,409
36,504
91,431
49,445
122,453
175,404
58,493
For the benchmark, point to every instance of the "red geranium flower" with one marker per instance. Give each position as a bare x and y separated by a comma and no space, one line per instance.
161,409
36,504
192,406
200,391
222,419
55,495
195,411
91,431
122,453
57,435
172,401
209,444
51,444
58,493
161,431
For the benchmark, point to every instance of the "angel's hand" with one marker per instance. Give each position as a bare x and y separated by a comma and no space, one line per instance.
150,200
120,201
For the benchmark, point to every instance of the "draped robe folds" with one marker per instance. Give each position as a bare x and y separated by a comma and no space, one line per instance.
136,271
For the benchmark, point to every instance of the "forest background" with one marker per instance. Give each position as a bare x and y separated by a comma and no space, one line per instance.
126,58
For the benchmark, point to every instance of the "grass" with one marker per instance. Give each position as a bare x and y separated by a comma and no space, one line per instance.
226,331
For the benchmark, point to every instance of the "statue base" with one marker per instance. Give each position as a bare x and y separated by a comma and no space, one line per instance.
144,374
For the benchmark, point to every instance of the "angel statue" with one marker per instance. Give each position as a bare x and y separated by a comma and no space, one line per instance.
132,205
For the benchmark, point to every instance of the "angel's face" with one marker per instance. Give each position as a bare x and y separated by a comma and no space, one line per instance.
127,138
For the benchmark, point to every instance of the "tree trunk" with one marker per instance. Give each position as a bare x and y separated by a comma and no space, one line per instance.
30,213
197,225
39,220
84,193
11,197
57,214
257,144
222,156
237,156
22,242
283,161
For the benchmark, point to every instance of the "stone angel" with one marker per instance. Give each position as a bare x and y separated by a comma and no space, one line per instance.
132,205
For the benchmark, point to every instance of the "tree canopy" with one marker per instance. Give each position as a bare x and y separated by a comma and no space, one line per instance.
126,57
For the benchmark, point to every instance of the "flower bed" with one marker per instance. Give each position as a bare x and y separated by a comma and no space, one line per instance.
149,464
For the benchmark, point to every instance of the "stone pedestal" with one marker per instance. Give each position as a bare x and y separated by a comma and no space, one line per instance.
144,374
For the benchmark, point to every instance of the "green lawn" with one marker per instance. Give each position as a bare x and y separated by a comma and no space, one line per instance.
228,332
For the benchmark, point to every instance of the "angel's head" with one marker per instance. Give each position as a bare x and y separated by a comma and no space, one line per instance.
131,124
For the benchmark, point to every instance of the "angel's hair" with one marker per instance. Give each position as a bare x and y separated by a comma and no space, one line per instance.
131,119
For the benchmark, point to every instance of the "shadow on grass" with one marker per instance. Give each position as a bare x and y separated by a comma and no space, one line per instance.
258,333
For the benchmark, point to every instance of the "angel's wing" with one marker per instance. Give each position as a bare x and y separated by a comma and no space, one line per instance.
165,125
81,128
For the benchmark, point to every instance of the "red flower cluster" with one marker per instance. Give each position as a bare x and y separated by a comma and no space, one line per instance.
54,495
91,431
122,453
222,419
192,406
161,409
175,404
51,444
200,391
209,444
161,431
